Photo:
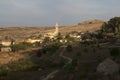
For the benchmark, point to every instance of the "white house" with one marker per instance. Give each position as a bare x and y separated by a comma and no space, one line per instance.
6,49
34,40
63,40
6,43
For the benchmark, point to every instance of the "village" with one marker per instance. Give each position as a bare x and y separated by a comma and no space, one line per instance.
52,54
39,39
7,44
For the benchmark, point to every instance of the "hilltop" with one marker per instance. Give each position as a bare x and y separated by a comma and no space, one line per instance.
24,32
90,25
78,54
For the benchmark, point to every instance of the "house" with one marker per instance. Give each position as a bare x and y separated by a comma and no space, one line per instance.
18,41
6,43
33,40
63,41
76,35
6,49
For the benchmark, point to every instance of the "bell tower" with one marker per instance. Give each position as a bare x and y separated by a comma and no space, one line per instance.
56,29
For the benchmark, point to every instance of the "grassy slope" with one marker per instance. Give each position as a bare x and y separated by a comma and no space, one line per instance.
23,32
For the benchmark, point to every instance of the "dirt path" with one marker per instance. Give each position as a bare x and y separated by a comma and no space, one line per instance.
52,74
67,58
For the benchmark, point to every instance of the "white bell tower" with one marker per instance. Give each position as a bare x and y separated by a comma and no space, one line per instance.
56,29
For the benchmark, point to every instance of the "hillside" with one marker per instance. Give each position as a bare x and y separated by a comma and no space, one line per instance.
91,25
24,32
93,57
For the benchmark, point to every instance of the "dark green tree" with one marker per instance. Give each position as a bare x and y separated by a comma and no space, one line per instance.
69,48
47,40
59,36
115,52
21,46
113,25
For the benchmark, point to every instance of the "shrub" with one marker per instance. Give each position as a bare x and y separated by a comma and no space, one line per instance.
71,67
52,48
85,50
39,53
21,46
3,72
115,52
45,63
69,48
78,54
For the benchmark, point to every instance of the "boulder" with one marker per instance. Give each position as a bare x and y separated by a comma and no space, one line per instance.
108,67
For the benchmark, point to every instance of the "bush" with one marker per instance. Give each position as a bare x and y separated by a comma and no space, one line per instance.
112,25
52,48
21,46
78,54
21,65
86,50
69,48
45,63
71,67
3,72
115,52
39,53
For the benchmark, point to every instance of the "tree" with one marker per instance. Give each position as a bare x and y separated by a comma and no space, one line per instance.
69,48
59,36
21,46
69,38
113,25
47,40
115,52
104,27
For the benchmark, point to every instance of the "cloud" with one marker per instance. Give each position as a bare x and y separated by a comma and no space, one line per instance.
47,12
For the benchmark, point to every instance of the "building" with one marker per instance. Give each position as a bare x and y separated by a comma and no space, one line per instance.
33,40
56,29
6,49
63,41
53,34
6,43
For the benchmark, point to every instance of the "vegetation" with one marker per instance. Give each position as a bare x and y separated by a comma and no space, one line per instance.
69,38
49,49
21,46
85,50
59,36
115,52
47,40
69,48
16,66
71,67
113,25
84,58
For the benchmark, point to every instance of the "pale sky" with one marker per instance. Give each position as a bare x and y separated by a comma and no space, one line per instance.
48,12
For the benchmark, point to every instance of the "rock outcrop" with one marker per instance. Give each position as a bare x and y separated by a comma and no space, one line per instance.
96,21
108,67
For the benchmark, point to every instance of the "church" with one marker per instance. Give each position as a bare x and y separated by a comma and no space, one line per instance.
53,34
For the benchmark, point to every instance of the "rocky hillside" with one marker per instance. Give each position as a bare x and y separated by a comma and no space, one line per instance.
24,32
91,25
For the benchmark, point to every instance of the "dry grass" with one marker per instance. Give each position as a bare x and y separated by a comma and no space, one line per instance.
20,33
6,58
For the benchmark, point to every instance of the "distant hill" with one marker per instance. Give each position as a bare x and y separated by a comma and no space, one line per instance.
90,25
23,32
96,21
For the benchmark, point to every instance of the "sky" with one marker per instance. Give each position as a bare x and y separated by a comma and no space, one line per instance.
48,12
